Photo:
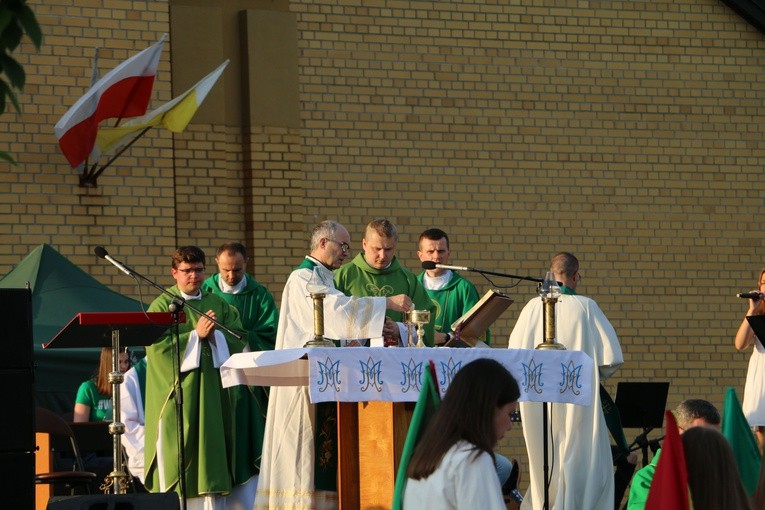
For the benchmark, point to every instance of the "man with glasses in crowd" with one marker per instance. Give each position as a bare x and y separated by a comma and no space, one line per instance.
690,413
581,475
299,466
376,272
220,464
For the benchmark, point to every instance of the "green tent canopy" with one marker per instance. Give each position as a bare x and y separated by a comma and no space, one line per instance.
61,290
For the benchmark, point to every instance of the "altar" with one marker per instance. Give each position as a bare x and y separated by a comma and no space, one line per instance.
367,374
375,389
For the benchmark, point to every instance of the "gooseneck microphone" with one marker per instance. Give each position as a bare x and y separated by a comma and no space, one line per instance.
750,295
429,264
102,253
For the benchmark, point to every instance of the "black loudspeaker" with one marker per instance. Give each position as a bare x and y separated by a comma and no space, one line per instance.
16,305
158,501
17,485
17,434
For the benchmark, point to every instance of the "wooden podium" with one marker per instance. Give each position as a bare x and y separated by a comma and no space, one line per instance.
371,438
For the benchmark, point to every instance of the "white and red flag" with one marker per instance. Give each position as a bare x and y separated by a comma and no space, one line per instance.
122,93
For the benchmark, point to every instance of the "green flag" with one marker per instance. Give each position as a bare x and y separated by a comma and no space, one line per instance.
739,434
427,403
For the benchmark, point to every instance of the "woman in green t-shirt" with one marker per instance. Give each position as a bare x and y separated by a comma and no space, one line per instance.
94,397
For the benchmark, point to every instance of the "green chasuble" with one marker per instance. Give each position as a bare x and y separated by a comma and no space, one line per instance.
260,317
452,302
218,447
325,433
358,278
257,310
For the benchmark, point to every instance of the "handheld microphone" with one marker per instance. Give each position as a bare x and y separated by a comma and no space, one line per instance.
102,253
750,295
429,264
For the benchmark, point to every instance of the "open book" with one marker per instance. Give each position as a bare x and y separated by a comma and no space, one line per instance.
478,319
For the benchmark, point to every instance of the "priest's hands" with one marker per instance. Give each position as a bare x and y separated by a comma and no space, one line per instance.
399,303
205,327
391,334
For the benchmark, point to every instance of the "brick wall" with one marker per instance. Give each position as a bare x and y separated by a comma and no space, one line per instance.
626,132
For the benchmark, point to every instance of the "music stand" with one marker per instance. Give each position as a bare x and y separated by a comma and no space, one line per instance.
757,323
641,405
112,329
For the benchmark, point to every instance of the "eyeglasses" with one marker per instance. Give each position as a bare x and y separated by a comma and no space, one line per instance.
195,270
343,246
578,277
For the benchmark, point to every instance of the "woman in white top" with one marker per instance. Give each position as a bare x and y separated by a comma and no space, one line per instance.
754,390
453,464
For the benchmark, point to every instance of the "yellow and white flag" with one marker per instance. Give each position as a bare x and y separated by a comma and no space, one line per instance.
174,115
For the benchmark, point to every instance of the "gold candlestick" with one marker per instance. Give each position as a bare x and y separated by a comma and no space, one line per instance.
318,290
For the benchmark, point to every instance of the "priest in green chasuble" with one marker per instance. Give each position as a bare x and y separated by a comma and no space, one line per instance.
220,458
452,295
259,315
376,272
299,463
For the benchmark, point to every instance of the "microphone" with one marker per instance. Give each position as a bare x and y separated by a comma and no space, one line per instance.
429,264
102,253
750,295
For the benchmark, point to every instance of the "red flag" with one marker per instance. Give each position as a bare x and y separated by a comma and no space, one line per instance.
123,92
669,487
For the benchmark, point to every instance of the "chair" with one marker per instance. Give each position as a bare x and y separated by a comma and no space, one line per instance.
49,422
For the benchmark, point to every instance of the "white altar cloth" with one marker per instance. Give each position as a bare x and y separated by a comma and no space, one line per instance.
362,374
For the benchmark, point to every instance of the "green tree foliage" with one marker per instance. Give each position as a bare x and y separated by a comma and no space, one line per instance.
16,19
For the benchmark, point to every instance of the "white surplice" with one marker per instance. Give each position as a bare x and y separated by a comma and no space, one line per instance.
287,467
581,467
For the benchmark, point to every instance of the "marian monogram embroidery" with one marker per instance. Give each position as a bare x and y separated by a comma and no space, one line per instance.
371,375
412,376
532,377
448,370
570,378
329,375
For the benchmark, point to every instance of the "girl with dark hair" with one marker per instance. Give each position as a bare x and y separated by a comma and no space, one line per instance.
453,464
713,476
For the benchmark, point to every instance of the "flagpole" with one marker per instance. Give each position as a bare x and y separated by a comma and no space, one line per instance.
91,176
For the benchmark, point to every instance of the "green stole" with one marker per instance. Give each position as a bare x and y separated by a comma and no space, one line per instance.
325,433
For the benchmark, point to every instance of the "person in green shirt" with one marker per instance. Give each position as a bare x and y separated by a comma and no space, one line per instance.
94,396
376,272
690,413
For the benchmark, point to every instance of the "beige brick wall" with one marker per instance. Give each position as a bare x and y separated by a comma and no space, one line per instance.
626,132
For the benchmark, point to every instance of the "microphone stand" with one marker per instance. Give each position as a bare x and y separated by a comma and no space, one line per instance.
432,265
506,275
175,307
